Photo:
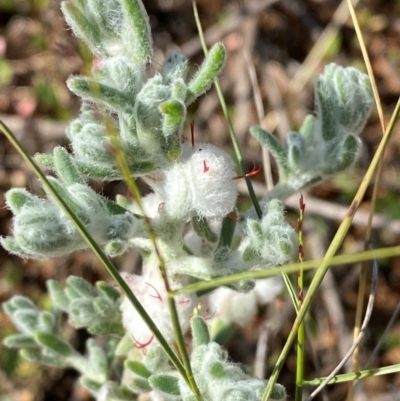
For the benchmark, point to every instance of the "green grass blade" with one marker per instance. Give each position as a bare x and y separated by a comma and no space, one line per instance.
290,289
363,277
290,268
349,377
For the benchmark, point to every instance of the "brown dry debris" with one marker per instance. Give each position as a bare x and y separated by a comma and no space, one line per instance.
274,38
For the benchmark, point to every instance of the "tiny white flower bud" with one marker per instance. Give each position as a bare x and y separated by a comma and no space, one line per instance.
211,173
200,182
151,293
240,308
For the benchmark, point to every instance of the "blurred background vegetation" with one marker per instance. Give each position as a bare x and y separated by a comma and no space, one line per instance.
275,51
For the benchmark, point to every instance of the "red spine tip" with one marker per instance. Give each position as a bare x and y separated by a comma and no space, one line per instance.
192,132
158,296
251,173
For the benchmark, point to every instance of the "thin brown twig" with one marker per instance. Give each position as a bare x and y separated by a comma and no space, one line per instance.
275,100
240,81
332,211
356,344
216,32
378,346
308,67
260,115
261,350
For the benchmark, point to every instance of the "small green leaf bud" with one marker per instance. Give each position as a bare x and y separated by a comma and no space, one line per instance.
307,127
277,150
349,150
36,356
26,320
174,67
173,115
108,290
98,360
44,160
103,306
140,385
200,333
11,245
72,294
179,90
54,343
165,383
217,371
203,230
278,393
19,302
82,27
90,384
82,287
208,71
120,226
66,167
122,73
20,341
136,34
295,146
17,198
94,91
137,368
115,248
55,237
57,295
82,312
47,322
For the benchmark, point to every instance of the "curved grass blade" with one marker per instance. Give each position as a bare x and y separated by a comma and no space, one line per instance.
363,277
290,268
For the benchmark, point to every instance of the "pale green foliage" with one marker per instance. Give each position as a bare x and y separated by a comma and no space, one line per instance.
41,229
122,111
271,239
217,377
328,142
93,308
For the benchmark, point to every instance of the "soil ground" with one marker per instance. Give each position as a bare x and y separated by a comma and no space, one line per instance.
271,41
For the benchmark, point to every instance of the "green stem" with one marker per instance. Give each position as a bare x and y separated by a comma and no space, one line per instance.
242,164
351,377
300,364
